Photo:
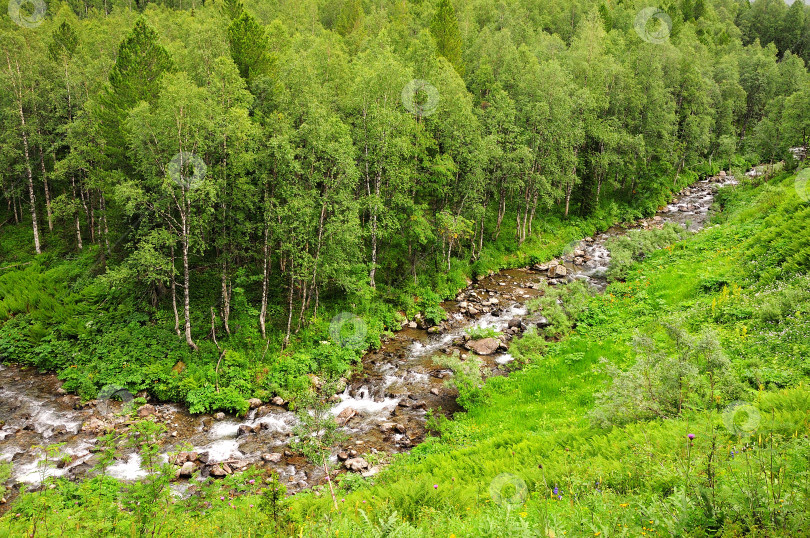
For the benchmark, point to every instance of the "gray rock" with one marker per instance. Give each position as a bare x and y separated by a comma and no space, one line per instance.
515,323
187,469
217,471
277,400
272,457
344,416
484,346
146,410
255,403
356,464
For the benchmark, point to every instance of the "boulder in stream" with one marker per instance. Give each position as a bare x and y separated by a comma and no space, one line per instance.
146,410
272,457
344,416
93,425
356,464
243,429
186,470
218,471
484,346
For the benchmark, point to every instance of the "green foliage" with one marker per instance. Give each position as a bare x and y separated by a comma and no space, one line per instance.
628,249
446,33
467,378
477,332
562,306
249,46
317,431
529,348
687,373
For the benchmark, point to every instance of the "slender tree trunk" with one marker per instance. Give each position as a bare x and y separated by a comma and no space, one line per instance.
186,280
226,297
18,94
76,214
45,185
14,205
103,223
568,189
226,285
31,195
265,278
92,216
174,297
290,309
501,212
534,208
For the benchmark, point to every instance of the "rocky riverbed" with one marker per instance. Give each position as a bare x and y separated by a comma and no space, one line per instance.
382,408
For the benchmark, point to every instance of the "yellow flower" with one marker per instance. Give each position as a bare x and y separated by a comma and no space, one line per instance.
624,505
524,514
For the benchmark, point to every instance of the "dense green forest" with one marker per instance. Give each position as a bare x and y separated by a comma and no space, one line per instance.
192,193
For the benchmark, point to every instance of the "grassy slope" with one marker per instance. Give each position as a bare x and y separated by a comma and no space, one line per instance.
609,478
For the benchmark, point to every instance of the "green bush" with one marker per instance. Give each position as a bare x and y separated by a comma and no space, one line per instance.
477,332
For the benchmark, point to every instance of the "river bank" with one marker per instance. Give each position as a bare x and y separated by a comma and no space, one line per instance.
382,408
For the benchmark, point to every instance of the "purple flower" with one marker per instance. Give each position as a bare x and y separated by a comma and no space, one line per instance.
435,486
691,436
251,481
556,490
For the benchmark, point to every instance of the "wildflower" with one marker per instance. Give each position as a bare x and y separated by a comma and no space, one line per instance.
691,436
435,486
556,490
251,481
